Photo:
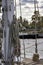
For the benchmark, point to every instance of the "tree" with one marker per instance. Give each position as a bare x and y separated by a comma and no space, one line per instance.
25,23
32,25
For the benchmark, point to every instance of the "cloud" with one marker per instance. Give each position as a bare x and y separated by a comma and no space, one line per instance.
29,1
28,8
41,7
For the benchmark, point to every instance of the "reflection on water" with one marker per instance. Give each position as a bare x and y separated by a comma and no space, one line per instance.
30,47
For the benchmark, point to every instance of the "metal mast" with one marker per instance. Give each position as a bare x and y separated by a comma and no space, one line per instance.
20,11
20,8
36,55
7,18
36,12
35,27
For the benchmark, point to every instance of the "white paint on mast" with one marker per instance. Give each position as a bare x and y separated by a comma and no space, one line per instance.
8,12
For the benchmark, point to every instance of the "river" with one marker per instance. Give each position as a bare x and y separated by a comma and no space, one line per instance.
30,47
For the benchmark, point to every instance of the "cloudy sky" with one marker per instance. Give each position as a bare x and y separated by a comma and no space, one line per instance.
27,8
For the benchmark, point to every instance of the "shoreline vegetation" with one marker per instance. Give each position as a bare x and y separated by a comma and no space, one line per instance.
25,26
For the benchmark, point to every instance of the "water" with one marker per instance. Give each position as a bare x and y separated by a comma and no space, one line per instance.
30,47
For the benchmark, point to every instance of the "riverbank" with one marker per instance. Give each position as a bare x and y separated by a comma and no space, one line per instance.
30,36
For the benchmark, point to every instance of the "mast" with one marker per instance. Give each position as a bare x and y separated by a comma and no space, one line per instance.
7,18
34,5
36,55
20,8
15,9
0,5
36,19
24,49
35,28
20,12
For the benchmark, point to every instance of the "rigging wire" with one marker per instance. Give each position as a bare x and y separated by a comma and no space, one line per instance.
31,46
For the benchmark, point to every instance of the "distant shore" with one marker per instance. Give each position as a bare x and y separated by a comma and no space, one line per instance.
30,36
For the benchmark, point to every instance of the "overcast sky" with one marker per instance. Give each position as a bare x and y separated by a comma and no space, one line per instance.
28,8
